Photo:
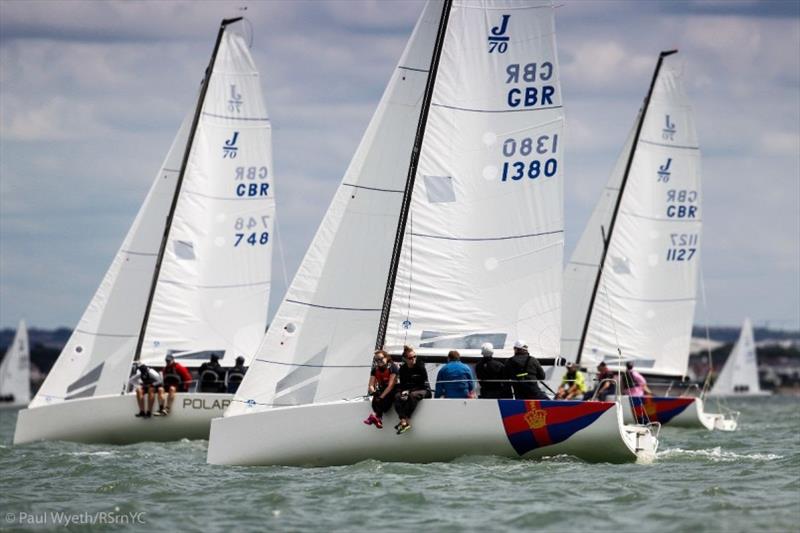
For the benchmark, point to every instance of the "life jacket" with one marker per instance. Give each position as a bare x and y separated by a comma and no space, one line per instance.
382,376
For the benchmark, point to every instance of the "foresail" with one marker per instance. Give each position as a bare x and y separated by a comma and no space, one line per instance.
645,300
483,246
97,357
319,345
213,286
581,271
739,375
15,370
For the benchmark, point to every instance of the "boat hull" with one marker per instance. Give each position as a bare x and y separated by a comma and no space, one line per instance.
111,420
675,411
443,429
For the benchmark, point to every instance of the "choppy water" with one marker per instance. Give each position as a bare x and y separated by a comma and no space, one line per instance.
700,481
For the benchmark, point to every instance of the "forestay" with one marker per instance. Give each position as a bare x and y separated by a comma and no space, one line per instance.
213,285
15,370
483,241
645,300
483,245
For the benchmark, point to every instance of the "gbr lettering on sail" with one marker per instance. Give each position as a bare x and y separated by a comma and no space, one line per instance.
528,86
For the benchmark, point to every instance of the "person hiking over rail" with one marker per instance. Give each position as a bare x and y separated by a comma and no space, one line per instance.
413,388
525,373
382,380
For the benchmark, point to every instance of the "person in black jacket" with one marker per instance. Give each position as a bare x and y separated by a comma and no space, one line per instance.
212,375
525,372
413,387
491,375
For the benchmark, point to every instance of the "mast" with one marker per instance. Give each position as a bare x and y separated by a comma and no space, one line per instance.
412,173
607,235
174,204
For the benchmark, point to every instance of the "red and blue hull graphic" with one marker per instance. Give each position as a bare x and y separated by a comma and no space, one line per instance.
532,424
658,408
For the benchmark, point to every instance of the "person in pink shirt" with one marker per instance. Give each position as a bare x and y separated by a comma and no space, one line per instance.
635,382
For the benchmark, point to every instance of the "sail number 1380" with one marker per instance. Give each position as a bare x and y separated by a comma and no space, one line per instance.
539,148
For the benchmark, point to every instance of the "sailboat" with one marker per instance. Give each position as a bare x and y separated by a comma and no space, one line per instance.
15,371
630,285
445,232
739,376
191,278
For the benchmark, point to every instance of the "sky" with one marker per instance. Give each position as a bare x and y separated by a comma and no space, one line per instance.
92,93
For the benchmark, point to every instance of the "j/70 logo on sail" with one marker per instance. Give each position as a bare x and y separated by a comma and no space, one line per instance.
668,133
663,171
235,102
229,149
498,40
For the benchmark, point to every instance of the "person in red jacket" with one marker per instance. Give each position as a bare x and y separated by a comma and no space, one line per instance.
176,378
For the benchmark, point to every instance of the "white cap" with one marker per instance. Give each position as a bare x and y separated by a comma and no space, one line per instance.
520,344
487,348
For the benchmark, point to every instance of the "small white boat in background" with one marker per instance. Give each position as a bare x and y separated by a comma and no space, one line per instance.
446,232
739,375
630,286
15,371
192,276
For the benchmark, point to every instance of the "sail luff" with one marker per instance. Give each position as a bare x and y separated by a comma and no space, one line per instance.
609,234
412,172
181,175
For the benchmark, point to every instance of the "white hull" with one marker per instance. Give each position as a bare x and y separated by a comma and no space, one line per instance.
111,420
442,430
693,415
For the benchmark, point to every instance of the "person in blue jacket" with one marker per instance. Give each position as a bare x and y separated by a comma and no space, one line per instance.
455,379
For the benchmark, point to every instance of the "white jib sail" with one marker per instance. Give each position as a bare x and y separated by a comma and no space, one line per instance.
645,300
15,370
483,247
97,357
739,375
213,287
319,344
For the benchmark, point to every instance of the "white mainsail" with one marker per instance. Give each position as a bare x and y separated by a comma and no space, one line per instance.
210,294
739,375
644,301
15,371
482,247
213,286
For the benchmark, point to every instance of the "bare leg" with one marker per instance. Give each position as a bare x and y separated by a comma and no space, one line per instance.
170,397
150,399
161,398
140,398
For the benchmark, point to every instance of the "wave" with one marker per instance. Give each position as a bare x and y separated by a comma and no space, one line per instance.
717,454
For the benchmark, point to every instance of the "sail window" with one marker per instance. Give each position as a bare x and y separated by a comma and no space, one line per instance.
185,250
440,189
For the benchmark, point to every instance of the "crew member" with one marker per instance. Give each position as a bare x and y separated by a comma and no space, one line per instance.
413,388
525,373
455,379
492,375
382,381
573,383
176,378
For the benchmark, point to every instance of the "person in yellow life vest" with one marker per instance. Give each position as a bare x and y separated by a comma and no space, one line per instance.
573,384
